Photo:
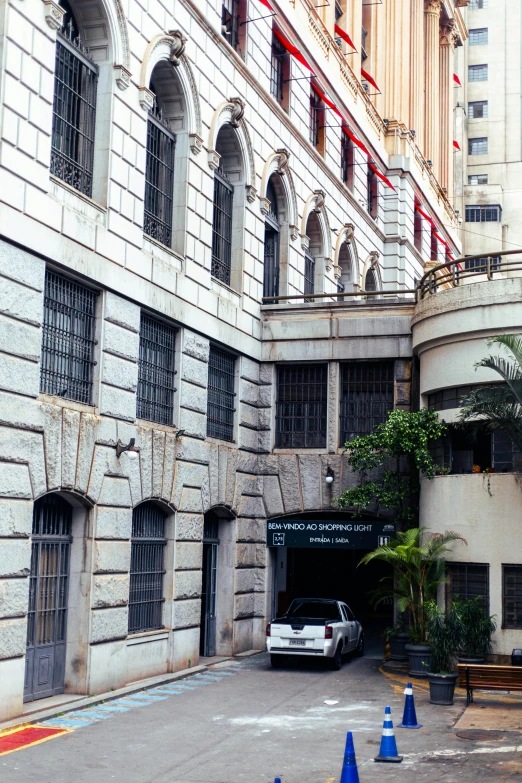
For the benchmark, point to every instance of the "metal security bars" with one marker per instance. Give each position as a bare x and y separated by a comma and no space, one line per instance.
222,228
147,569
301,409
74,112
68,339
159,182
221,383
156,371
481,264
468,581
512,596
483,214
276,69
271,254
366,397
309,275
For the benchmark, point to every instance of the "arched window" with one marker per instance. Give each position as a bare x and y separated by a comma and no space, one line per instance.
272,244
227,218
147,568
345,282
370,281
312,254
74,108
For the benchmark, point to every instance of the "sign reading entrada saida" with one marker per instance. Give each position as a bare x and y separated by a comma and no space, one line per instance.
328,534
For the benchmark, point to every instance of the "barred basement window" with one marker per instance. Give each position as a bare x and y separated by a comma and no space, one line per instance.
271,255
221,383
478,37
147,569
74,110
156,371
478,73
483,214
478,146
366,397
477,110
468,581
68,339
301,408
230,22
159,178
309,275
222,227
511,596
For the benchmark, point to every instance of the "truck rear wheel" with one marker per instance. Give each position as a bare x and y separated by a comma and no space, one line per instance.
336,662
276,661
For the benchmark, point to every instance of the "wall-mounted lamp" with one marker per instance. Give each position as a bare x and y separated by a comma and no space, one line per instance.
429,162
179,433
130,447
329,478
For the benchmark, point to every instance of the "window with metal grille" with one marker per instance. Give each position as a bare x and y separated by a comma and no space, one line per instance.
467,581
230,21
481,264
366,397
221,394
278,56
315,118
505,455
483,214
370,280
67,361
74,110
478,36
159,179
347,160
309,275
222,228
271,254
478,146
373,193
446,399
478,179
477,5
147,569
155,398
301,408
512,596
477,110
478,73
364,44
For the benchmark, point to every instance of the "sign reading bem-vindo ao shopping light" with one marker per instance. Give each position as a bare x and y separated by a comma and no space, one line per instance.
329,534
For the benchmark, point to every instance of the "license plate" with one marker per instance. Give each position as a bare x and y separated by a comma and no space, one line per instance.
302,642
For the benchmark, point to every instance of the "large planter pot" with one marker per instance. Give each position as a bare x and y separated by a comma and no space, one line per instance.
398,644
419,658
442,688
470,661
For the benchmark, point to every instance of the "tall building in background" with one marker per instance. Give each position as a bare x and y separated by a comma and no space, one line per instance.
488,182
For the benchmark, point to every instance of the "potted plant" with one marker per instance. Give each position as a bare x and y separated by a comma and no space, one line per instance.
419,568
444,634
476,630
398,637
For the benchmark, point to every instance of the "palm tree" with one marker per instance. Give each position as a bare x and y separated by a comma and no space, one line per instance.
417,557
499,406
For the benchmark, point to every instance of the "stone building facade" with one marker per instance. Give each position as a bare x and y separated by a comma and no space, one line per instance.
128,311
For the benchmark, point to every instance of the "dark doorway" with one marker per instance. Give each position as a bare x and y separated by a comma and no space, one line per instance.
207,645
48,592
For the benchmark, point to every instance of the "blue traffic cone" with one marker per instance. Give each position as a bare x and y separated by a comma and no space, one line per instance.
277,780
409,718
349,772
388,749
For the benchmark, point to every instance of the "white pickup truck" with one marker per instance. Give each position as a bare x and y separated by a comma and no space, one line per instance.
317,627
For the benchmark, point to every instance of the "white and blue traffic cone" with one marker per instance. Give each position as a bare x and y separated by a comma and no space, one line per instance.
409,718
388,750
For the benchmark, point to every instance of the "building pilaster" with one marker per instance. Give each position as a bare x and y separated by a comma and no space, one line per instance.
448,40
431,82
416,80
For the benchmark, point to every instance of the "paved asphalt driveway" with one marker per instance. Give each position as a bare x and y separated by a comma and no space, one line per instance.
242,722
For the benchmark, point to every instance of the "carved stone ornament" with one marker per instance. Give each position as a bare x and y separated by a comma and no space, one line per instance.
284,157
196,143
251,193
213,159
122,76
337,270
146,99
433,7
294,232
448,33
264,205
349,229
328,264
178,47
319,200
374,259
54,14
238,112
305,242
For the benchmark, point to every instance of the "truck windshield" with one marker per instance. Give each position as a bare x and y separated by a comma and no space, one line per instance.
313,609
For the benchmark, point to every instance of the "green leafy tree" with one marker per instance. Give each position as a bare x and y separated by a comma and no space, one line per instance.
499,406
419,566
389,460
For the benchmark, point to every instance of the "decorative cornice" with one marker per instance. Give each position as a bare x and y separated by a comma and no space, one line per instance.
433,7
213,159
146,98
448,33
122,76
54,14
251,193
196,143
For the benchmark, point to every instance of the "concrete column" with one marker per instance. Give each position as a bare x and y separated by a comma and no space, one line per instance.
431,82
394,79
448,37
416,78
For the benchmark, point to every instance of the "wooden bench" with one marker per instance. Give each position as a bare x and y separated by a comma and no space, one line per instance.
489,678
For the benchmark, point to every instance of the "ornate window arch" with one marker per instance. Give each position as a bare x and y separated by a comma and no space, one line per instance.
316,243
371,273
346,262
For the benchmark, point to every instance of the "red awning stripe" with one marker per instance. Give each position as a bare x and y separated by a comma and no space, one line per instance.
381,176
291,49
342,34
356,141
369,78
267,5
456,145
326,100
455,77
425,215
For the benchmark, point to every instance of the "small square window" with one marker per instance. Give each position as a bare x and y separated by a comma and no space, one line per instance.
477,73
478,146
477,110
483,214
478,179
478,37
468,581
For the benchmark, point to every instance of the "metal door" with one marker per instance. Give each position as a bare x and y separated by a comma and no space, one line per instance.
48,589
208,598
